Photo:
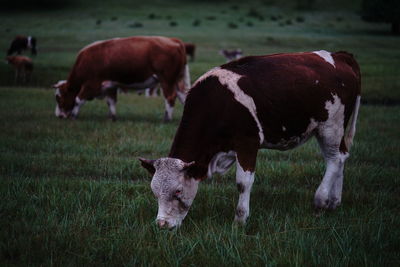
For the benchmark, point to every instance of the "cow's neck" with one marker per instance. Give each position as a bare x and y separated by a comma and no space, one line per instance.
192,143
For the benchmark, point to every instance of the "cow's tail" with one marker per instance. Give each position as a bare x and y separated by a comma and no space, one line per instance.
349,136
351,131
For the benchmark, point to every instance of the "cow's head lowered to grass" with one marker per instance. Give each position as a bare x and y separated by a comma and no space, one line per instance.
173,188
65,100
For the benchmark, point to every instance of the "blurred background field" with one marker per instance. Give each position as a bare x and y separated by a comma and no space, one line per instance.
73,192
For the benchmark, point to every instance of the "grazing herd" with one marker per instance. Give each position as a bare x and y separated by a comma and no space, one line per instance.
275,101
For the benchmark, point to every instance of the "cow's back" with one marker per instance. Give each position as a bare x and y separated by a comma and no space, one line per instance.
278,97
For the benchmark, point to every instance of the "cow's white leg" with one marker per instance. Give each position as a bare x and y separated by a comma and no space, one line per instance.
335,195
168,111
329,192
111,102
186,78
147,92
181,96
78,104
244,182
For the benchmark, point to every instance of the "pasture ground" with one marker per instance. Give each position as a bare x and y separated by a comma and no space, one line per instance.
73,192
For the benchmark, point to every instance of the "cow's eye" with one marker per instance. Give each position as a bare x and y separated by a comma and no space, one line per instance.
178,193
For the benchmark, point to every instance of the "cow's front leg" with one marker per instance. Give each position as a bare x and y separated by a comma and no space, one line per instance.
78,104
244,182
111,102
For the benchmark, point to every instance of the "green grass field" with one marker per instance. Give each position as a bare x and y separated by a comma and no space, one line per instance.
73,192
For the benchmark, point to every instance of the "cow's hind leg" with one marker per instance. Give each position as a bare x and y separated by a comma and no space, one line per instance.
329,192
170,98
111,99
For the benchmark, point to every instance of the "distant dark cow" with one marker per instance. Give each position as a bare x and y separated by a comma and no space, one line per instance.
276,102
127,63
23,67
21,43
190,50
231,54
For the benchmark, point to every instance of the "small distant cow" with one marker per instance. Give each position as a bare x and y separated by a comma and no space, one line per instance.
128,63
231,54
274,102
190,50
23,67
21,43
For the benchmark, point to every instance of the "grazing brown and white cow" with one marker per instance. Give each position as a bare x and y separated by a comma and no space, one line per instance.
23,67
21,43
190,50
231,54
276,102
134,62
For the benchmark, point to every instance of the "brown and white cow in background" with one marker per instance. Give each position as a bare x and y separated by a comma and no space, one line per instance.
134,62
21,43
231,54
23,67
276,102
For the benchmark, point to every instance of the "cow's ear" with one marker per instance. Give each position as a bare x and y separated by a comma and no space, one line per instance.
189,168
186,166
148,164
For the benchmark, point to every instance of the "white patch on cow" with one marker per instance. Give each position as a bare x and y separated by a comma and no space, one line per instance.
57,112
342,84
59,83
316,81
57,92
244,181
78,104
326,56
168,110
29,44
230,80
111,105
283,128
221,162
106,85
333,126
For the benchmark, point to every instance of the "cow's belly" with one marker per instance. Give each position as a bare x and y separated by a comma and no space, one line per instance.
283,140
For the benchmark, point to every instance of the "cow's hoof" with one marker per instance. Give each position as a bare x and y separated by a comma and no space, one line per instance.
240,216
326,204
